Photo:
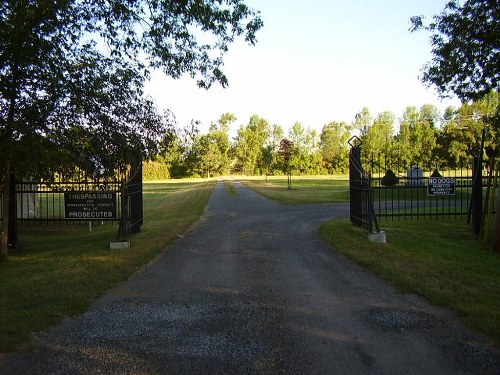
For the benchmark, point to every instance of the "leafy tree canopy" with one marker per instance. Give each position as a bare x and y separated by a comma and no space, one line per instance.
72,73
466,48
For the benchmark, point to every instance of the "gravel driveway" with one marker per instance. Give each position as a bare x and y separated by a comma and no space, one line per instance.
251,289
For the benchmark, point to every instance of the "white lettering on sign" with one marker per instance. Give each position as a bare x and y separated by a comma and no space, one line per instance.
89,205
439,186
441,180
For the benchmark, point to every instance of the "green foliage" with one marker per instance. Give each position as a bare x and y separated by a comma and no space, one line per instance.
465,48
379,137
155,170
334,147
249,143
389,179
424,138
68,101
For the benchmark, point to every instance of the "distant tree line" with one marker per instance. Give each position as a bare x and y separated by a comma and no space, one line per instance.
420,136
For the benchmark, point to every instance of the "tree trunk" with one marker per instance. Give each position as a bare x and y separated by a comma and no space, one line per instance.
496,229
4,236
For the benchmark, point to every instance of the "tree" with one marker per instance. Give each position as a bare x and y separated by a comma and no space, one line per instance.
334,148
287,151
72,76
423,138
404,147
379,139
363,121
466,50
465,47
307,158
249,143
212,149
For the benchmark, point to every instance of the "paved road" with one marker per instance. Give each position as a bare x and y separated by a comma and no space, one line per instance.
251,289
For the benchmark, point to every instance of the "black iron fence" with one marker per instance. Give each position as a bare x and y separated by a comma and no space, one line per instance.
413,192
380,190
78,199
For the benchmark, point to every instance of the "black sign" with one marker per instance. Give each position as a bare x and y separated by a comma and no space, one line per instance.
90,205
440,186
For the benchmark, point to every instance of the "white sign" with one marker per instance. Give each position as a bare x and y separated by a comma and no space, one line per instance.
437,186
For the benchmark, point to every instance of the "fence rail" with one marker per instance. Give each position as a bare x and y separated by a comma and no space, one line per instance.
392,192
413,193
114,200
45,202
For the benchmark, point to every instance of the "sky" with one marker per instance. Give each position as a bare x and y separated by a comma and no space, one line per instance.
316,61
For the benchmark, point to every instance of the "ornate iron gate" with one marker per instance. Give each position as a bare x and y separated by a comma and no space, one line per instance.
362,213
39,202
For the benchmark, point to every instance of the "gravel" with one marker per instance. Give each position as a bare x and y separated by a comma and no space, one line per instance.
251,289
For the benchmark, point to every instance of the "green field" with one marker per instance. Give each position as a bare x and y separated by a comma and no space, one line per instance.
58,270
313,189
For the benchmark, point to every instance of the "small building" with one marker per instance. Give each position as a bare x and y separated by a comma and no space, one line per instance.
415,176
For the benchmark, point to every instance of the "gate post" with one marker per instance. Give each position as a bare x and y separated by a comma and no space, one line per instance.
12,239
136,201
355,182
477,189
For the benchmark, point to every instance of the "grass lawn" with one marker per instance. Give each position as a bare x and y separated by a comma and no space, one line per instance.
308,189
58,270
439,260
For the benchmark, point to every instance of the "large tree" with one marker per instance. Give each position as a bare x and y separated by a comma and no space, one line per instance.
466,56
466,48
249,143
334,148
72,74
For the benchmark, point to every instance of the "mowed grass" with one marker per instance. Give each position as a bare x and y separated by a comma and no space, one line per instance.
438,259
58,271
309,189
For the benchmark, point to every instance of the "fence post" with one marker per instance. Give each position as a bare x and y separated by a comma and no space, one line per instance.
477,195
477,190
354,186
12,239
122,228
136,200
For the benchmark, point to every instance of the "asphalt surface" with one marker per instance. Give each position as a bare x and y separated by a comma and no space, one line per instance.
251,289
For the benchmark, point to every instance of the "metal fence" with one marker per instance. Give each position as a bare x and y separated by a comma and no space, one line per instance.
78,199
412,192
379,190
43,201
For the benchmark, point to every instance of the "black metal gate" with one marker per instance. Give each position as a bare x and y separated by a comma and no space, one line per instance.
362,213
43,202
394,192
132,209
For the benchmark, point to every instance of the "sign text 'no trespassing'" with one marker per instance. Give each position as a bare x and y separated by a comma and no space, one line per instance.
90,205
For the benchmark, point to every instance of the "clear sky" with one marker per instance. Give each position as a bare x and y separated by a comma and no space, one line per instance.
316,61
